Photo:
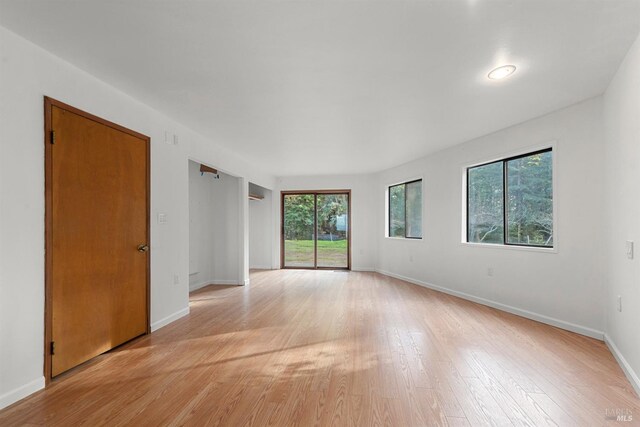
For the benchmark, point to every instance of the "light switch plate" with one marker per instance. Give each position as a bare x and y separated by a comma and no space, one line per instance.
629,249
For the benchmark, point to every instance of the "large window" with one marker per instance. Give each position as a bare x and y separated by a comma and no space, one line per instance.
510,201
405,210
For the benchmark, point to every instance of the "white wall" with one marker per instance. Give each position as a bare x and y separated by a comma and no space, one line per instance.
214,236
363,238
622,216
27,74
261,229
566,286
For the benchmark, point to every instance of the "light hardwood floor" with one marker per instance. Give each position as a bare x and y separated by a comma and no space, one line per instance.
336,348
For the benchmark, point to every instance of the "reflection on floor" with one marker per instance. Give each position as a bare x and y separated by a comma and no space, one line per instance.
319,348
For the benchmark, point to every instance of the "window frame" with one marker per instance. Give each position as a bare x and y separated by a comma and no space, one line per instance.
505,187
388,202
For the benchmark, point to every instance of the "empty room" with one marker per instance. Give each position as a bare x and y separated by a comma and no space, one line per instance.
315,213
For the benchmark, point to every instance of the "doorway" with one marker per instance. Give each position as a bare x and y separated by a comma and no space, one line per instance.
214,221
97,185
316,229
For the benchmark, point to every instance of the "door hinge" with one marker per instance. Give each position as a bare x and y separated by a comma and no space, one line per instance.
53,137
53,348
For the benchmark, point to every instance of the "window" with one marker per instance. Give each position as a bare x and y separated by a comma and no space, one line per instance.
510,202
405,210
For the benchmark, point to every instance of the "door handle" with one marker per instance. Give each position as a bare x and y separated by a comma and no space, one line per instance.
143,248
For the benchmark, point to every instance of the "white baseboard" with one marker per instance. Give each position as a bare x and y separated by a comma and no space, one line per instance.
246,282
171,318
582,330
21,392
260,267
364,269
197,286
632,376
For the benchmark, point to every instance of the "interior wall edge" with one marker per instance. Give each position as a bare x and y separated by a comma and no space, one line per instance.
169,319
631,375
21,392
558,323
621,210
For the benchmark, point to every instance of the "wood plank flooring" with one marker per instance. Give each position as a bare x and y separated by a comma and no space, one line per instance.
337,348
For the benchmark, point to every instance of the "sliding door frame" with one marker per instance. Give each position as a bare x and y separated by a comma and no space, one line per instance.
315,194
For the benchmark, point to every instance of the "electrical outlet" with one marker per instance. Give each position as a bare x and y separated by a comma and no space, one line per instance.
629,247
490,271
619,303
162,218
176,279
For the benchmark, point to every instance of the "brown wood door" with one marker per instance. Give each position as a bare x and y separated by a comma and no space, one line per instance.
97,219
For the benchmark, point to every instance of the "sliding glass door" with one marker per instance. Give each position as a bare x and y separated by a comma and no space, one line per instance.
315,229
332,238
299,226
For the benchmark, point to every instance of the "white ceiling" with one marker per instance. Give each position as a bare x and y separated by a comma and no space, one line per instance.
323,87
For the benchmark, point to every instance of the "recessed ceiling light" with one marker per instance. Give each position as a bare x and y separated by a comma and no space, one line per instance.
501,72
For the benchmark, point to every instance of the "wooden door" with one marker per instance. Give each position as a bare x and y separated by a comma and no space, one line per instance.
97,235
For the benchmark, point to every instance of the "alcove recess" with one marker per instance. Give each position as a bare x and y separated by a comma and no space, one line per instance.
207,169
